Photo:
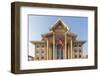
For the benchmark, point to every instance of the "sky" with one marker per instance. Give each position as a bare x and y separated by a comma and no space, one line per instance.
40,24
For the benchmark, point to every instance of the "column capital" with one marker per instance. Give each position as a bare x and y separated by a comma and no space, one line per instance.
53,33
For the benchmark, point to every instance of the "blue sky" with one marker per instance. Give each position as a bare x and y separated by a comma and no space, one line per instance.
39,24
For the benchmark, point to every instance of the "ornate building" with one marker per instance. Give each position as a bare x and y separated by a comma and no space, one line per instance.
58,43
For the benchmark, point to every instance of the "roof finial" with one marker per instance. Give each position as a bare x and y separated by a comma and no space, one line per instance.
59,19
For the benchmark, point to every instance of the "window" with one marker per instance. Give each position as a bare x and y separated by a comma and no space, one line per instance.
37,58
75,56
37,51
42,57
75,45
80,50
42,46
37,46
42,51
75,50
80,56
79,45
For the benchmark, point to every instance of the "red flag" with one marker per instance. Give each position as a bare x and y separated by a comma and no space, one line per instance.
60,42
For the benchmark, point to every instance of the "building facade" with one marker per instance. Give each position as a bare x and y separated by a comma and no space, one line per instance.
58,43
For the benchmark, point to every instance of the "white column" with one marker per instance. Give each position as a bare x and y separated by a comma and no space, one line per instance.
65,52
47,49
53,45
71,49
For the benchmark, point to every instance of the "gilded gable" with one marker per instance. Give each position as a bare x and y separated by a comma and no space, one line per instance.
59,26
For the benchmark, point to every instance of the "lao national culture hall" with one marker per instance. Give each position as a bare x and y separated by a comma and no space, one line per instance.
58,43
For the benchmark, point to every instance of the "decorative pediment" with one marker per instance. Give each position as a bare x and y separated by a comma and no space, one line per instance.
59,25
